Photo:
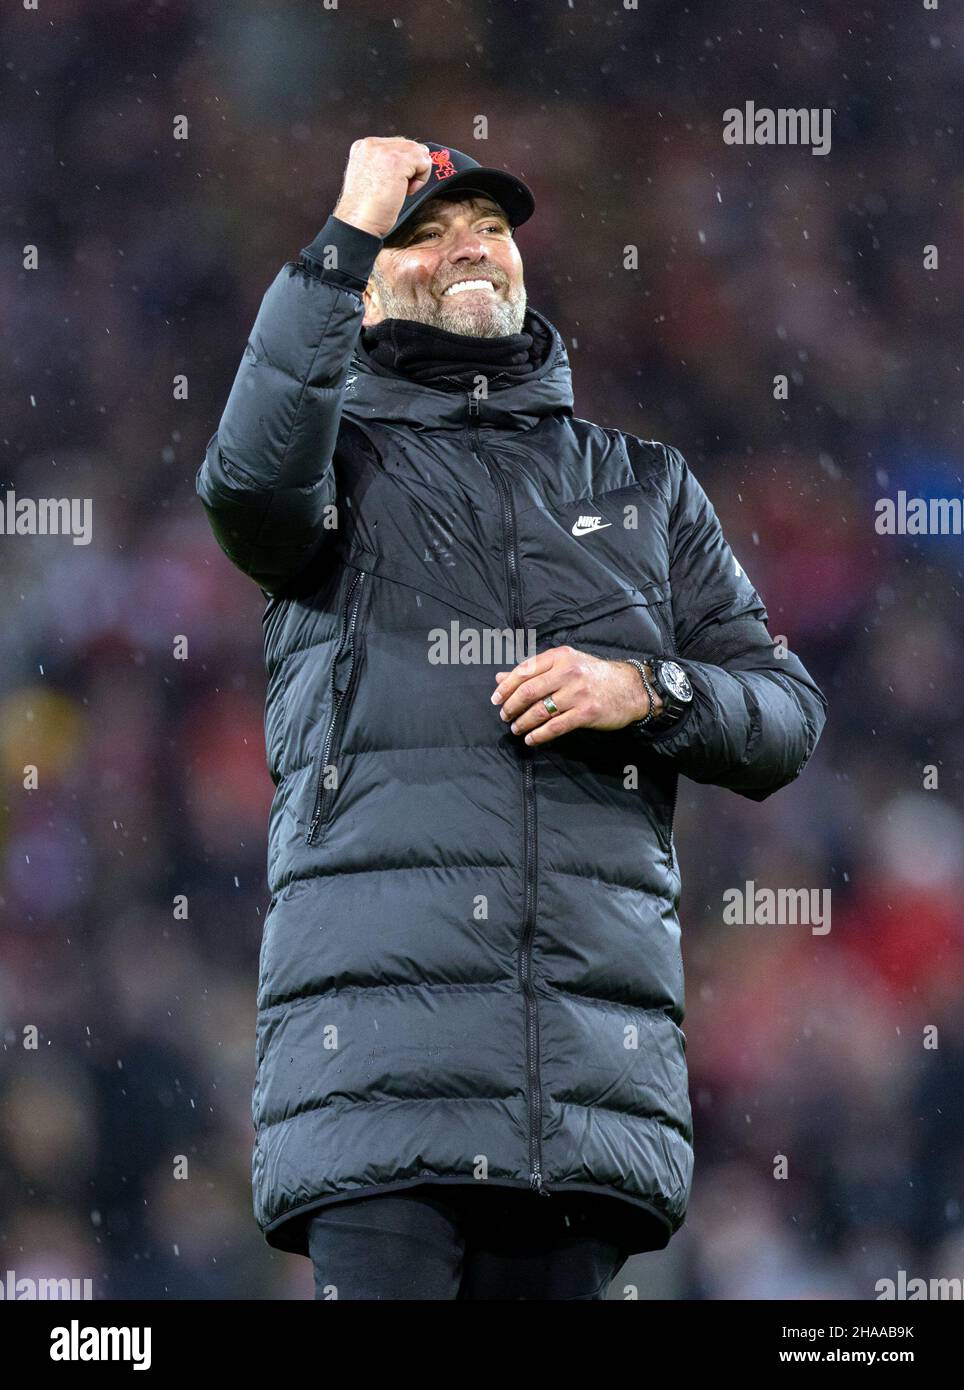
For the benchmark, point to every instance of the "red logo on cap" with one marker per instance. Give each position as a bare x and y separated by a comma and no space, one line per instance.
443,162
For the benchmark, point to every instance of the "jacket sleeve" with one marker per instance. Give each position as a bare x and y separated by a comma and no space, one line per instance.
755,716
267,480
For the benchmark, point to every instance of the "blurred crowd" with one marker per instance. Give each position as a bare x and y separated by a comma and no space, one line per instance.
132,875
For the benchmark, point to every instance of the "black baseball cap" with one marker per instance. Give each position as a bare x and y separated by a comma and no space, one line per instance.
453,169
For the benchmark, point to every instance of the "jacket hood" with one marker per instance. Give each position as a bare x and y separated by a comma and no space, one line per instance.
374,392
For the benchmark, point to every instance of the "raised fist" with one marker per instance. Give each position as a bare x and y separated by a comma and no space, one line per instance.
381,173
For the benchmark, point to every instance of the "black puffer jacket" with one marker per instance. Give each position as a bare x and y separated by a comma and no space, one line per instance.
471,965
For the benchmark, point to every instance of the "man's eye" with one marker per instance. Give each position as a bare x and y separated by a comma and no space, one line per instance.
491,227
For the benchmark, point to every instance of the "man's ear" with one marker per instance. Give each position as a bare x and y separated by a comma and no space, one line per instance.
373,310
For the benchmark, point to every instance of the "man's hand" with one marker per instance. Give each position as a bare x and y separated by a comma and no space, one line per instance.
589,692
382,171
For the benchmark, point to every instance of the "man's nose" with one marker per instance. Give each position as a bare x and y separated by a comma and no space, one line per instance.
466,246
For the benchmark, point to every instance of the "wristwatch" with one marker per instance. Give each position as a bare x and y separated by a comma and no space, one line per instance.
670,682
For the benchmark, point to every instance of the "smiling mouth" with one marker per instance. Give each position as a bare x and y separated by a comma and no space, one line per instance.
467,287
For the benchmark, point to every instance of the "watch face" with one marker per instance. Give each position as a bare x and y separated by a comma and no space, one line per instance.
676,680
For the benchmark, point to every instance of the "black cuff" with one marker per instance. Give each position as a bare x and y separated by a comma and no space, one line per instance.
355,252
657,730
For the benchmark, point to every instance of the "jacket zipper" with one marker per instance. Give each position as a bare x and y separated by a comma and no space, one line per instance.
668,629
323,794
528,786
671,639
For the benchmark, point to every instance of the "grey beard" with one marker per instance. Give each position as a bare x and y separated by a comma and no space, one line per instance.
506,315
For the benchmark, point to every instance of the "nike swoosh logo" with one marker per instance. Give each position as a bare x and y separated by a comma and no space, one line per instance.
582,529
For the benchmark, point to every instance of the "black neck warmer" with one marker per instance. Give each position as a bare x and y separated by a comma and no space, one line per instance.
452,361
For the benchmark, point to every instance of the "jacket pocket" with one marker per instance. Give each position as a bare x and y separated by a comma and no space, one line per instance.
343,682
629,619
665,621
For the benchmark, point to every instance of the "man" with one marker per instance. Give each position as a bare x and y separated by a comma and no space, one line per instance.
471,1076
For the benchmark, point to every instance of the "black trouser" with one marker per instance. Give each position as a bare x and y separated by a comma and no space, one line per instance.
446,1242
